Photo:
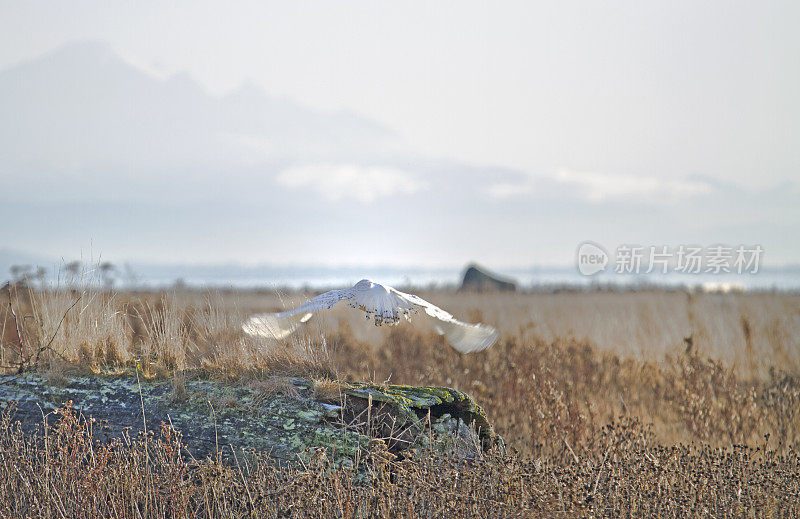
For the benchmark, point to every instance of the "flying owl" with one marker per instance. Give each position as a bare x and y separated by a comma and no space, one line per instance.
383,304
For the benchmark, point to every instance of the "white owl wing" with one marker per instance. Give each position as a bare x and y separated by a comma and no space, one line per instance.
281,325
464,337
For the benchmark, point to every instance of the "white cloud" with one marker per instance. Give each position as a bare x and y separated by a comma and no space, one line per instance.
512,189
598,187
341,181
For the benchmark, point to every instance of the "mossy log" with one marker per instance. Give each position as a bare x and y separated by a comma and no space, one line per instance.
215,418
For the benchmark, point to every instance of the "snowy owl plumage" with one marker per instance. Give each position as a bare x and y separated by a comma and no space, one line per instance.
385,305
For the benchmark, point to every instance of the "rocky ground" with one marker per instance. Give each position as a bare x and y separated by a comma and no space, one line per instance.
286,417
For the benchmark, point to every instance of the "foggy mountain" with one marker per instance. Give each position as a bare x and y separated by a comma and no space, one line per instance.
86,122
99,154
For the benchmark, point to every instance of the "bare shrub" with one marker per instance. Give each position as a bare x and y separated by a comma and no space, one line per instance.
620,471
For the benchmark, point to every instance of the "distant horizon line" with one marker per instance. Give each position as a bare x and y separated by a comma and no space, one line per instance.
341,266
39,260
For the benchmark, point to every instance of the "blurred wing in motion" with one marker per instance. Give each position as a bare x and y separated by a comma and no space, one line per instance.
283,324
386,305
464,337
270,325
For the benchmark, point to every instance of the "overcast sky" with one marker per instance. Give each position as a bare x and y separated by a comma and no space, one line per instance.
576,116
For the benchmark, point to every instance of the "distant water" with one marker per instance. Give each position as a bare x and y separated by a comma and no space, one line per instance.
222,276
233,276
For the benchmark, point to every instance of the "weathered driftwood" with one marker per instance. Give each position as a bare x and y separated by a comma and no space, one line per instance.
217,418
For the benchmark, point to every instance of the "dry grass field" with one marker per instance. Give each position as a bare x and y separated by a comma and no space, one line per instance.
633,403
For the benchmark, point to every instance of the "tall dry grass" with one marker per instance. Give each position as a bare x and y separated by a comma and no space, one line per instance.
749,331
712,367
662,403
621,470
88,329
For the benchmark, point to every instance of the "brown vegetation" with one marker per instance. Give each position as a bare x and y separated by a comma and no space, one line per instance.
636,403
